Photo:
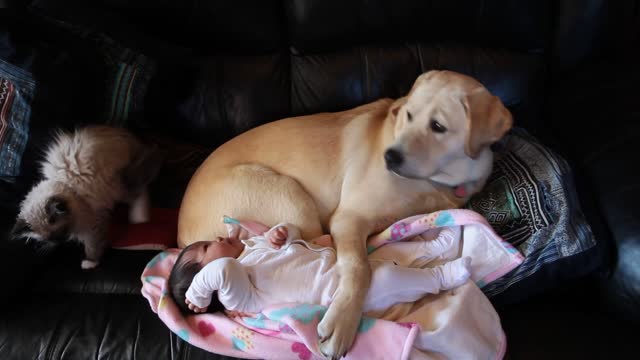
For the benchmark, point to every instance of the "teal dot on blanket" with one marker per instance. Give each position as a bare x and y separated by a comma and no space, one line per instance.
366,324
156,259
238,344
304,313
148,278
183,334
370,249
257,322
444,219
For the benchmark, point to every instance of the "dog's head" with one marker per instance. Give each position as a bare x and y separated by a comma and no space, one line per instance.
445,117
45,214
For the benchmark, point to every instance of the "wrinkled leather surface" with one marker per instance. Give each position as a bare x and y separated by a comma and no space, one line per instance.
224,67
564,325
321,25
210,101
254,26
90,326
389,71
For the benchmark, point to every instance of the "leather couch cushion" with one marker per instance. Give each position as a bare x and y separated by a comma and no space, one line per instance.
208,100
598,127
562,324
118,273
340,80
615,181
242,25
88,326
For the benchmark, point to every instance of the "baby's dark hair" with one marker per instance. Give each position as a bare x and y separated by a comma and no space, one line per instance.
180,279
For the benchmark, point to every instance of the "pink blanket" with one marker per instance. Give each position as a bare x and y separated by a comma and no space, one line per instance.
288,331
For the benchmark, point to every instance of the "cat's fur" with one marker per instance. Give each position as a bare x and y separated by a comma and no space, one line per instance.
85,173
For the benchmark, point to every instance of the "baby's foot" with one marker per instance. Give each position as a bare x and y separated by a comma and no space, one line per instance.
455,273
445,246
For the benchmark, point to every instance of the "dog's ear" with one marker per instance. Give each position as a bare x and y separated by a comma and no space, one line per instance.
423,78
56,208
426,76
487,118
396,105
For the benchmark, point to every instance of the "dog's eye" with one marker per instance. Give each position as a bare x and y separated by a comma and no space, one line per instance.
409,116
437,127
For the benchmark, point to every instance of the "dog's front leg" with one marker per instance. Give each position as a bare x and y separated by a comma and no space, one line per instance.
337,330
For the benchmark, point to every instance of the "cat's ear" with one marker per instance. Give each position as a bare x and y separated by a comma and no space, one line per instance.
56,208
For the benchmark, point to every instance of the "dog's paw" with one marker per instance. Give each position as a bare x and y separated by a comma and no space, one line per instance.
88,264
337,331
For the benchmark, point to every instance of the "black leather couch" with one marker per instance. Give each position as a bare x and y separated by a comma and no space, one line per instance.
568,70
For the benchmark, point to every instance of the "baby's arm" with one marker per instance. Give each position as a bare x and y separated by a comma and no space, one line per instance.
230,279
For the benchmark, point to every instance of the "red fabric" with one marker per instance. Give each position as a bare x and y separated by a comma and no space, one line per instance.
159,233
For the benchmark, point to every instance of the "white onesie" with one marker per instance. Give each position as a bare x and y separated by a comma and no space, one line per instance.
300,272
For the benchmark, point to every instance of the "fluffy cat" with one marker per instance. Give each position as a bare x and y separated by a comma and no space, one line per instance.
85,173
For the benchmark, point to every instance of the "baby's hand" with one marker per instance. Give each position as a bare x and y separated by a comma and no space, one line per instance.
194,308
278,237
234,314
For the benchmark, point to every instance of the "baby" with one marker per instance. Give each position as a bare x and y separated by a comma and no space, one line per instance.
247,276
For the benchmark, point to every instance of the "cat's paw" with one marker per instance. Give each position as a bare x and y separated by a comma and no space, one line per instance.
88,264
139,215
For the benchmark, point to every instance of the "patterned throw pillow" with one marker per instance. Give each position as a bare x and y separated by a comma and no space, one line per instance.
530,200
16,92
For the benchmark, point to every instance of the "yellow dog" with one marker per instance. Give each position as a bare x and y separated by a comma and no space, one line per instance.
352,174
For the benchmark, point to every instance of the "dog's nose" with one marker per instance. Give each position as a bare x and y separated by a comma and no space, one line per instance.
393,157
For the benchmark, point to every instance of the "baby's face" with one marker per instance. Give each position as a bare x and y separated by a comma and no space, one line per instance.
204,252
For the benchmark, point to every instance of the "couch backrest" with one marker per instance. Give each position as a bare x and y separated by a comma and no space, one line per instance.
227,66
200,72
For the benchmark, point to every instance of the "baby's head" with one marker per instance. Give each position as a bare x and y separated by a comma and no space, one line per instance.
191,260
